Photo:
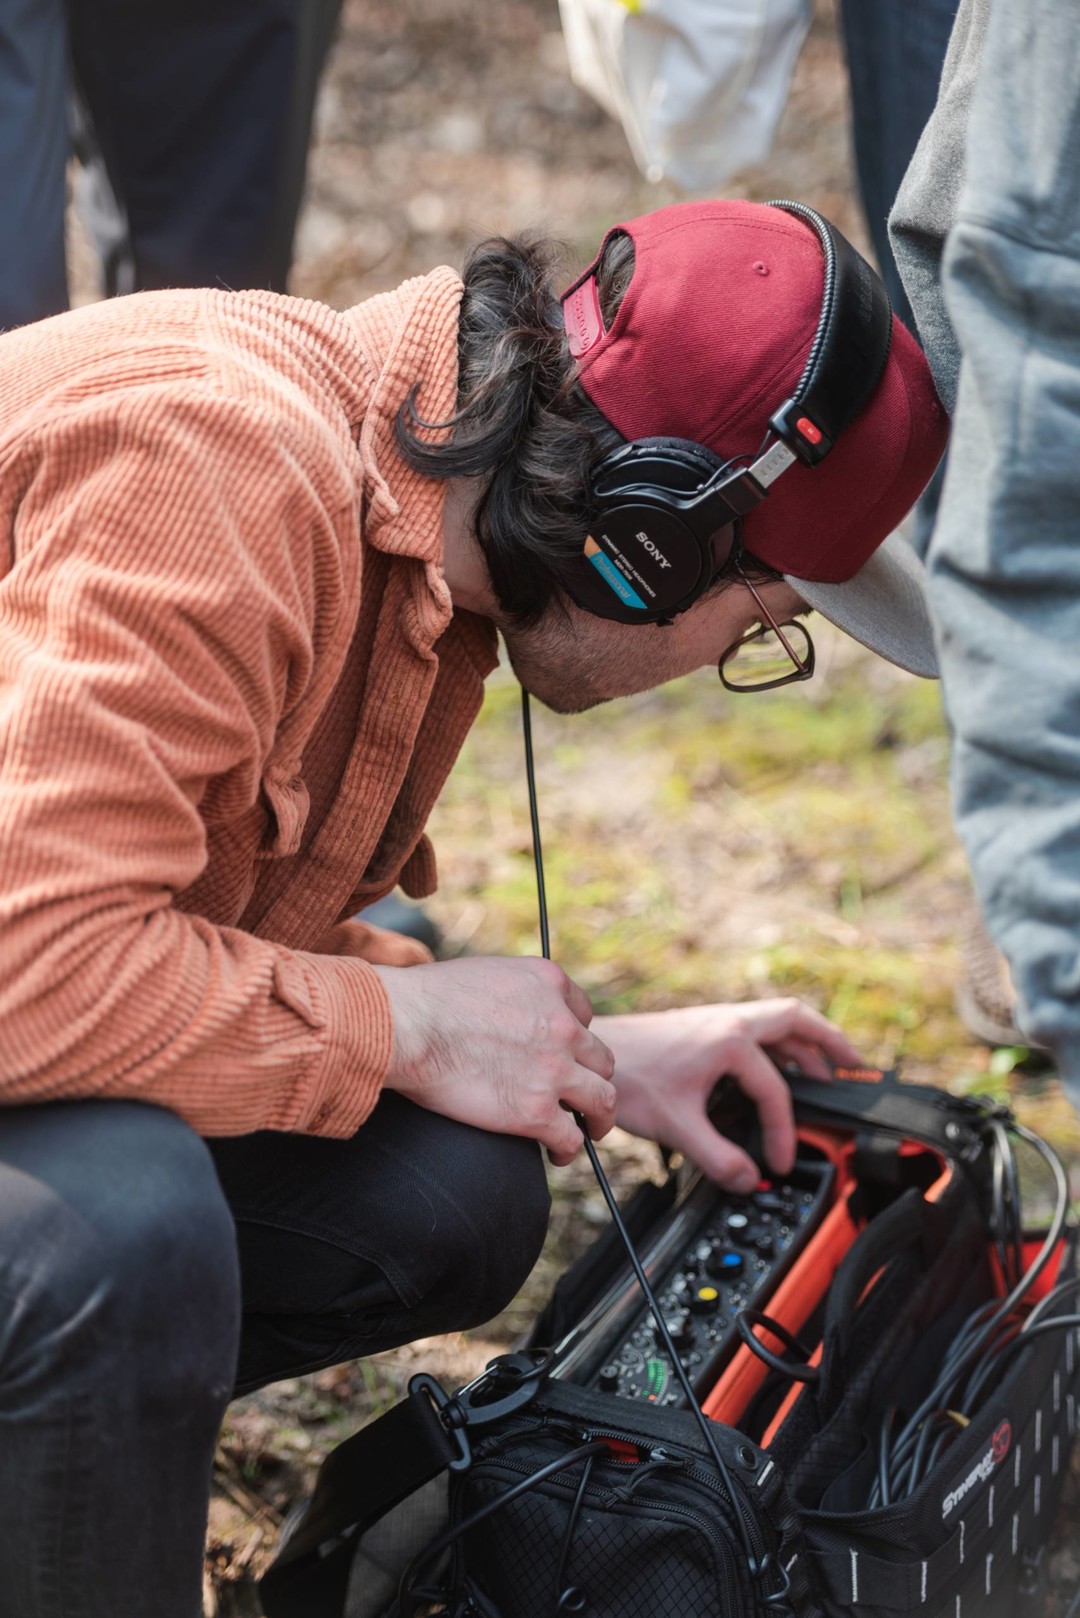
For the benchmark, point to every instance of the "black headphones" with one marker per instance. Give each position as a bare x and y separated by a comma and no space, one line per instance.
666,513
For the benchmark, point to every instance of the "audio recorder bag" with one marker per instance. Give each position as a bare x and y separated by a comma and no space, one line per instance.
816,1318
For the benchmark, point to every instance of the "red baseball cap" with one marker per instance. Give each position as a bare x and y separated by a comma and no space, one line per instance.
711,337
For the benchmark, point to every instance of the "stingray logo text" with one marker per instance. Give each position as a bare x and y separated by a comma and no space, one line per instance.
983,1469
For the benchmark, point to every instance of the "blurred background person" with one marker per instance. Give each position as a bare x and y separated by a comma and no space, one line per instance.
191,121
894,58
986,231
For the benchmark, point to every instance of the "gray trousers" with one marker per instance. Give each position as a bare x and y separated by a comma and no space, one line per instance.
145,1276
986,231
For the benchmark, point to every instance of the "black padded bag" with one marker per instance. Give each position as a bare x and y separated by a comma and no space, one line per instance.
649,1529
969,1540
654,1535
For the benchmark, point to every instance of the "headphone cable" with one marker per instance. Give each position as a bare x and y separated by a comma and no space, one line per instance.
759,1567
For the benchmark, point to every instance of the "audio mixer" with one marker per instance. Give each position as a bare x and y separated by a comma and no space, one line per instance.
718,1255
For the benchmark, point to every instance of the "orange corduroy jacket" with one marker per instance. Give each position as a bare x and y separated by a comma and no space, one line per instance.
231,688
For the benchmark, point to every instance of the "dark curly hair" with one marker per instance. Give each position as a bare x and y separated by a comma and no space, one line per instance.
523,421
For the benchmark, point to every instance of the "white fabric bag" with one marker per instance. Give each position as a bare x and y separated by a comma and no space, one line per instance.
698,85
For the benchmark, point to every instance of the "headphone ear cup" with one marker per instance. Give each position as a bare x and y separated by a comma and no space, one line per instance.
646,559
697,457
674,464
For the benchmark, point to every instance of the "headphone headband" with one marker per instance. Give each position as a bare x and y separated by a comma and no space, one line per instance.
850,348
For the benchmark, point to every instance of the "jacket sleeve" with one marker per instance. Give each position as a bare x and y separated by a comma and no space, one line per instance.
158,624
1004,562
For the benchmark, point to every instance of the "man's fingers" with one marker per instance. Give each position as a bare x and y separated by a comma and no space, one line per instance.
594,1098
721,1160
772,1021
591,1052
579,1003
804,1055
561,1138
758,1078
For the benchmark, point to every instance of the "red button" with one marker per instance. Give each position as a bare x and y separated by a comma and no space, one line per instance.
806,427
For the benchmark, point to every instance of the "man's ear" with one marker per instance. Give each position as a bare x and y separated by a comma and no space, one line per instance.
464,568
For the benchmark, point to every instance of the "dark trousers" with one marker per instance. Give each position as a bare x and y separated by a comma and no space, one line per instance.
145,1276
895,50
193,128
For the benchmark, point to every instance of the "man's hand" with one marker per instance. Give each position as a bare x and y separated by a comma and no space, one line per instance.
503,1044
667,1064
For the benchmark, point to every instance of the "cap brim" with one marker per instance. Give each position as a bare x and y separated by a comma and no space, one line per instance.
884,606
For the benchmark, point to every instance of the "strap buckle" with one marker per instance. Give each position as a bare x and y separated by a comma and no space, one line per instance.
762,1570
967,1130
470,1408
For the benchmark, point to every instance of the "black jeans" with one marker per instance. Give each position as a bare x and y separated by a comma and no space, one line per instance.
145,1276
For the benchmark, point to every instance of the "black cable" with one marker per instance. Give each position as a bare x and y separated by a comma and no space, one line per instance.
1056,1293
795,1370
705,1425
1023,1338
534,818
561,1594
1013,1201
985,1369
1004,1206
940,1425
883,1455
979,1337
997,1212
948,1435
989,1335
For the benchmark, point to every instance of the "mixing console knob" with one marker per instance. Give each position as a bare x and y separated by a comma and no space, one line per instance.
763,1244
769,1201
704,1299
609,1378
724,1263
744,1233
681,1328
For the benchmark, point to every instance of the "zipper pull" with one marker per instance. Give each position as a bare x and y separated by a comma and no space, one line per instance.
659,1460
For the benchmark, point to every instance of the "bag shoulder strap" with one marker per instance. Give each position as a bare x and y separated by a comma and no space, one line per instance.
361,1479
381,1465
953,1124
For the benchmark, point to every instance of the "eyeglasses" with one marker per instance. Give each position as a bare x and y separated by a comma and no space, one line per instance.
778,654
